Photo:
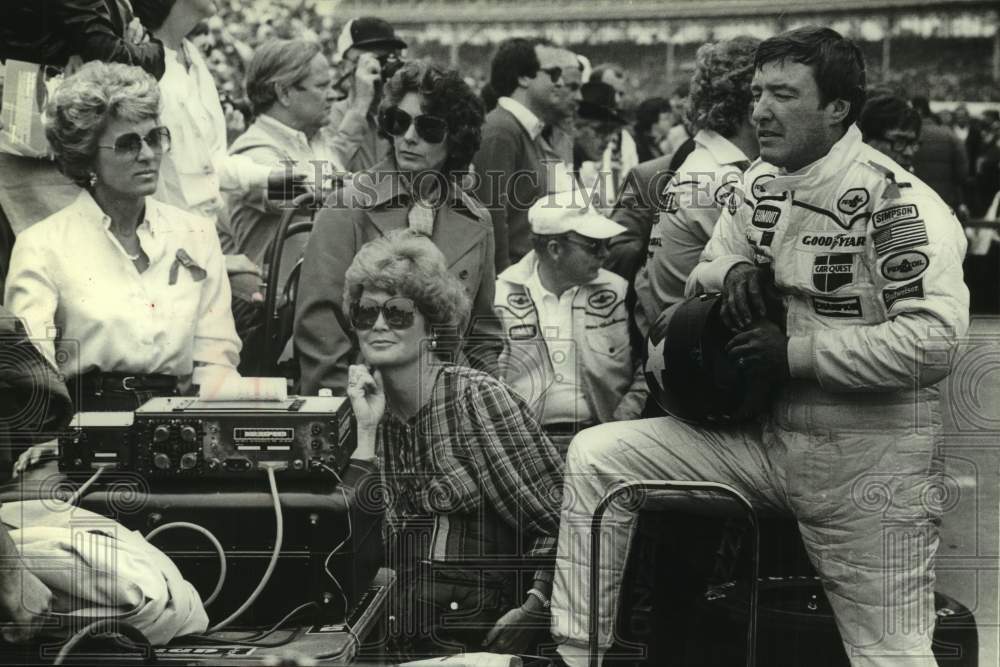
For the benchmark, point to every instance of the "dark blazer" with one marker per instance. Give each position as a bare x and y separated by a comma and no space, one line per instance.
941,162
510,175
50,31
637,209
372,204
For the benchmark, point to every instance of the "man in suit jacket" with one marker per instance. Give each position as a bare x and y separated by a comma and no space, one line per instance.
510,165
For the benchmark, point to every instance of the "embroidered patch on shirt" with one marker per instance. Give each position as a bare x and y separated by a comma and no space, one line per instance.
899,236
914,290
887,216
905,265
830,306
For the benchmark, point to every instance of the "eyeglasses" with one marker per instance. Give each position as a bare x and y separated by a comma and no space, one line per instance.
130,144
394,121
900,144
592,246
397,311
555,73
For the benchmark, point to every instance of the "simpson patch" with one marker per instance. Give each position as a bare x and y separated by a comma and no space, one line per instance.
829,306
900,235
914,290
852,201
904,265
887,216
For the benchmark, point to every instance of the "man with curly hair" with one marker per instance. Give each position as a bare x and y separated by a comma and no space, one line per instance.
694,198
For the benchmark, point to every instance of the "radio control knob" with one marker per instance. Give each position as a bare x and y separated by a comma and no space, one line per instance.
189,461
188,433
161,461
161,433
316,429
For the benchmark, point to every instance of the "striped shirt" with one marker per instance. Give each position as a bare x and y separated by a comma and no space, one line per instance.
471,478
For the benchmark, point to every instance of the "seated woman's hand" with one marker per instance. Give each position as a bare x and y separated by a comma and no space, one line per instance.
518,630
34,454
364,388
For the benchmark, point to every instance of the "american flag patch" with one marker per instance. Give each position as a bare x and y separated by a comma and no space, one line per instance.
900,235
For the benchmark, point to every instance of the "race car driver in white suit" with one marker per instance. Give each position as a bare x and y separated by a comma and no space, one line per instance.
868,263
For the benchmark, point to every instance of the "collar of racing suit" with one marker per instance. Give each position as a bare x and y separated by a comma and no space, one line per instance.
823,170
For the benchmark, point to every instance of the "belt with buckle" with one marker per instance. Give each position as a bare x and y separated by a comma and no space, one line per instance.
97,383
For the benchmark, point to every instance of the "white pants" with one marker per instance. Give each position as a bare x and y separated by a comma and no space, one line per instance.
861,474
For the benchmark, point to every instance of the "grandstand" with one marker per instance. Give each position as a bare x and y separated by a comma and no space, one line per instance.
948,48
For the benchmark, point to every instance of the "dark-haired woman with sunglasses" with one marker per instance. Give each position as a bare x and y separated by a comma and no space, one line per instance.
433,120
470,482
127,296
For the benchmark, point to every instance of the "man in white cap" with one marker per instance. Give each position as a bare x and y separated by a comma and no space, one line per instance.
567,348
368,53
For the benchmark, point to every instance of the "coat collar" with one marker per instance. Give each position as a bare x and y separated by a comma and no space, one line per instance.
520,273
818,174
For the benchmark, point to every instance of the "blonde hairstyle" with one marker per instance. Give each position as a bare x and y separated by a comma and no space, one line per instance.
720,86
86,102
408,264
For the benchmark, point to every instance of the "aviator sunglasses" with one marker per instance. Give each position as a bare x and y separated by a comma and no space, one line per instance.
394,121
397,311
130,144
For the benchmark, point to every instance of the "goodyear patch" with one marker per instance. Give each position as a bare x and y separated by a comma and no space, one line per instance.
830,306
831,272
852,201
766,216
887,216
601,299
522,332
518,300
914,290
827,241
904,265
900,235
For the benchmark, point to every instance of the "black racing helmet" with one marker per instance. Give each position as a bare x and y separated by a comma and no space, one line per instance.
689,373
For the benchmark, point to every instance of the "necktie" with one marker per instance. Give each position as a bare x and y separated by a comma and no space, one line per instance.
420,218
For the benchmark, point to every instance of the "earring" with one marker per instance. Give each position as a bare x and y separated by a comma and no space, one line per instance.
93,179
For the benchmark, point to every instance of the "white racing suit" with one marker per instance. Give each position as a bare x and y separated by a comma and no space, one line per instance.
870,272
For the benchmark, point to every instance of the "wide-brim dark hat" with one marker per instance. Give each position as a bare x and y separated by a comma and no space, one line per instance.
598,103
368,32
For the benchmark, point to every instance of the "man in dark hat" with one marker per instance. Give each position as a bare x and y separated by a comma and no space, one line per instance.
597,123
368,53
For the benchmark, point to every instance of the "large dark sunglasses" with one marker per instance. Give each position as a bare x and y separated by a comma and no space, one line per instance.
397,311
130,144
555,73
395,122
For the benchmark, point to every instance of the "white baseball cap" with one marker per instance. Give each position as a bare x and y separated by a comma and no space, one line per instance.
570,211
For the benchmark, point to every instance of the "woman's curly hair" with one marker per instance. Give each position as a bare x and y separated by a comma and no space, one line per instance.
447,96
408,264
86,102
720,85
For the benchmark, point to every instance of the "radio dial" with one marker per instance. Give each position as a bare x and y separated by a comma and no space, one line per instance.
161,461
161,433
188,433
189,461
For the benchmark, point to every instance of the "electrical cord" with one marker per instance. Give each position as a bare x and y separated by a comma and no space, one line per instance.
73,499
259,636
107,626
211,538
279,521
350,532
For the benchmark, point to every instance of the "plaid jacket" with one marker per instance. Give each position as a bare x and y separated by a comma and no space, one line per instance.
471,479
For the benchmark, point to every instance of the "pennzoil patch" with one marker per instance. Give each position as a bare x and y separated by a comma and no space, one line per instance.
851,201
522,332
834,306
887,216
914,290
900,235
904,265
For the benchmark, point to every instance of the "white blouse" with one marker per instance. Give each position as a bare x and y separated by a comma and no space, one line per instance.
88,308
